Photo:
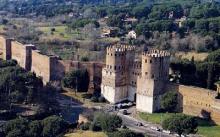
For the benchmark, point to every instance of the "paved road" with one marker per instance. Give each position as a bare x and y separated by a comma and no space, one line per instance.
130,123
72,109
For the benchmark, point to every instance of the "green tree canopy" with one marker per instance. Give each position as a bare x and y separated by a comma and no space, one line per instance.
77,78
107,122
180,124
169,101
53,126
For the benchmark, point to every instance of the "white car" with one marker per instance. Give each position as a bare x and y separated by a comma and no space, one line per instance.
155,128
129,104
166,131
119,106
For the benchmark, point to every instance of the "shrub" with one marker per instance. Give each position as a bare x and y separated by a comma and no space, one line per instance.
85,126
101,99
85,59
53,29
95,127
94,99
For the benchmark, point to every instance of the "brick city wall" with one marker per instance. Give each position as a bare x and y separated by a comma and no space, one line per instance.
50,68
1,46
192,100
197,101
41,65
94,69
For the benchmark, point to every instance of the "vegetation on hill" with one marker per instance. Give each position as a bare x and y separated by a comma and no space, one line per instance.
49,127
19,89
198,73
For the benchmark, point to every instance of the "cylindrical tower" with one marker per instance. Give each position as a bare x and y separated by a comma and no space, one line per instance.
115,58
155,65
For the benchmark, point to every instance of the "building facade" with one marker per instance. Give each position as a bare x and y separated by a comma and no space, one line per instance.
124,78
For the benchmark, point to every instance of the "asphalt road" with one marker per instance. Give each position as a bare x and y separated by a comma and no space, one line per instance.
71,111
131,124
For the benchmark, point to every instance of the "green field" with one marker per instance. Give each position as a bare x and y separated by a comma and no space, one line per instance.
205,128
207,131
154,118
60,32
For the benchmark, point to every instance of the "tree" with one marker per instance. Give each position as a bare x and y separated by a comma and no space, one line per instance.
180,124
77,78
16,133
141,11
116,20
107,122
169,101
205,10
4,21
53,126
35,129
161,11
16,127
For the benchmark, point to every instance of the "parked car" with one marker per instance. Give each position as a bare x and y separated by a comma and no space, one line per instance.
123,127
139,124
166,131
119,106
125,112
155,128
129,104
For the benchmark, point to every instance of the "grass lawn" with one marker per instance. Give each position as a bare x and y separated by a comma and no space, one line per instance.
209,131
205,128
86,134
154,118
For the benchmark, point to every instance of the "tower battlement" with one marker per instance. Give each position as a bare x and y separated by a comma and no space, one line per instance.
156,53
126,78
120,48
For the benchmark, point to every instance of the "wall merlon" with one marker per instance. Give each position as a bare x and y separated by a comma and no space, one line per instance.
156,53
